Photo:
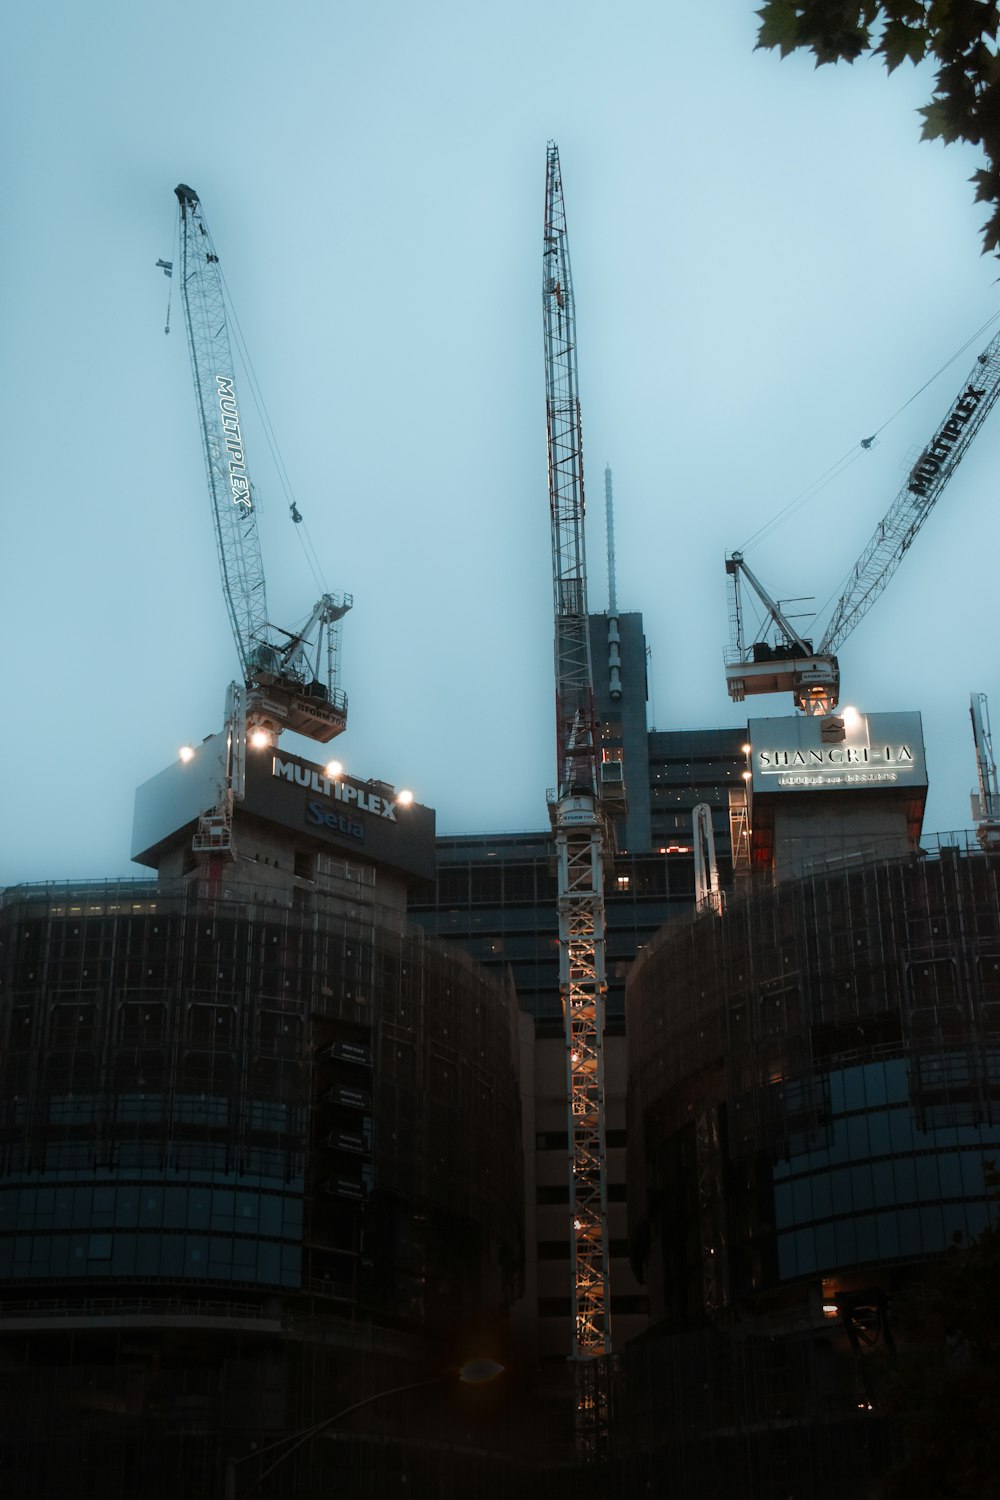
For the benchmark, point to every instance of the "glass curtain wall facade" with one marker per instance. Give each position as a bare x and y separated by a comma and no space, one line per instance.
814,1094
245,1129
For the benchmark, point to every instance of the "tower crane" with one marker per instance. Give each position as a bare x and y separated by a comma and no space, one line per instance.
581,830
289,676
985,805
790,663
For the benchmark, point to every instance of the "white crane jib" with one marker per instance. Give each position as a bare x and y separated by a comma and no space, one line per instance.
813,675
290,676
579,827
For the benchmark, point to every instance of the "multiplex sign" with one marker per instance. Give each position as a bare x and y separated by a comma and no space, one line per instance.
355,797
929,465
305,806
358,815
856,752
239,480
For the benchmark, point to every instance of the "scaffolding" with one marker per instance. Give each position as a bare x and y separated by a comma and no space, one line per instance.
814,1094
256,1148
772,1011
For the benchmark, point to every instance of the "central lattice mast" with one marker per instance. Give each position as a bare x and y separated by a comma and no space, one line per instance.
579,828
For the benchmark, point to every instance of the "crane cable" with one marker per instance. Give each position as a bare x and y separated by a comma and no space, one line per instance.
854,453
243,353
305,540
167,267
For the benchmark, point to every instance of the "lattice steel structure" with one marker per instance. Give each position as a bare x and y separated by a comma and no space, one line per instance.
926,482
290,676
580,832
234,512
792,663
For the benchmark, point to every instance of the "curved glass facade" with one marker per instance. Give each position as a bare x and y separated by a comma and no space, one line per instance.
222,1091
878,1182
260,1159
815,1080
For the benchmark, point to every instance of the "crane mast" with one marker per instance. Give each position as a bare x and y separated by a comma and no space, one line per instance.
580,831
290,676
813,675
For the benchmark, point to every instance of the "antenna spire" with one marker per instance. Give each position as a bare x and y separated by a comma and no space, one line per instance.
609,503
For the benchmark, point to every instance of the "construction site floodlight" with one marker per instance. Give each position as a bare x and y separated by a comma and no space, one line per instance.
333,769
404,798
186,754
261,738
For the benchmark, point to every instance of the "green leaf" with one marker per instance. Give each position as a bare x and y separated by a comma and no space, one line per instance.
938,122
779,26
902,43
912,11
987,185
991,234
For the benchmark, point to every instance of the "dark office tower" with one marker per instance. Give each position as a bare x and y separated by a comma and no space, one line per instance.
618,653
259,1159
494,895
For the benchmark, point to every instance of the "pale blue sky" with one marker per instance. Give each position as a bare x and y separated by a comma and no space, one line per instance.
767,262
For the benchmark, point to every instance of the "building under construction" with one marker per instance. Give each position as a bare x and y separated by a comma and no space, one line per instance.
262,1143
260,1161
278,1170
814,1093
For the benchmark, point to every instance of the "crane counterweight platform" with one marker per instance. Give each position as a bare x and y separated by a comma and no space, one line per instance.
789,663
289,676
581,829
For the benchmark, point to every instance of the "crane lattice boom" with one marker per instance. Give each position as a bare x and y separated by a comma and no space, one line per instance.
916,500
811,674
579,828
290,676
233,509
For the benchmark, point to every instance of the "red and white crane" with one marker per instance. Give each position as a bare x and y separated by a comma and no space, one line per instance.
789,662
580,828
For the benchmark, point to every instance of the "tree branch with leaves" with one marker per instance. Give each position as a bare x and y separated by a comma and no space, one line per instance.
959,35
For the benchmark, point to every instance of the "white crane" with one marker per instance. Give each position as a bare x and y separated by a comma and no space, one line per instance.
790,663
289,676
